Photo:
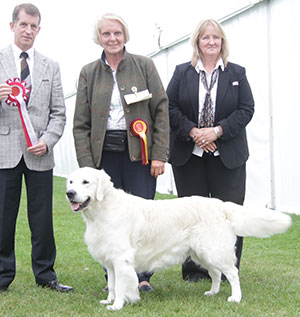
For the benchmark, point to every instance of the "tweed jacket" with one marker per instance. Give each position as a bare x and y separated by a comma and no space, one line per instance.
234,110
93,103
46,110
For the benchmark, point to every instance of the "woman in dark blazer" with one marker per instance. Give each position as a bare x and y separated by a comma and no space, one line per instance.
210,105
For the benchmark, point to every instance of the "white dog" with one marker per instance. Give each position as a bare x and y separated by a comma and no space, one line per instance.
129,234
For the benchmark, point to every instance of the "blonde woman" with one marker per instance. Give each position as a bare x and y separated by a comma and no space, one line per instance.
210,105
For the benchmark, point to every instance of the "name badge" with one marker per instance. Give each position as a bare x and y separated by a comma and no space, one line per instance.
137,96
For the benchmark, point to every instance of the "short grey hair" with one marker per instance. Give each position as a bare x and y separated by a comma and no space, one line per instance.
110,16
28,8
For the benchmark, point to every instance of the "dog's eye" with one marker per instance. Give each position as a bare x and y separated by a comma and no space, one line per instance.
85,182
71,182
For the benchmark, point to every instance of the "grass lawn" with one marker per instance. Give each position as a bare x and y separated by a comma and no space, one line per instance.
270,277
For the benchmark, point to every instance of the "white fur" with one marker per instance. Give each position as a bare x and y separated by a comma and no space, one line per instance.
129,234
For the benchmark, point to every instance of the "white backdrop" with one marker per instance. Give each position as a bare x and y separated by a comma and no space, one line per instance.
263,39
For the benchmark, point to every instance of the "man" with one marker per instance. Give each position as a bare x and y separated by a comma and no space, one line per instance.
46,111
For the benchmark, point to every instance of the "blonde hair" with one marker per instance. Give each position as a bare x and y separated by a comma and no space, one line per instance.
199,31
109,16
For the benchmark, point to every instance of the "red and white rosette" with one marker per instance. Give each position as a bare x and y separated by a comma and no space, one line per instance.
139,128
18,98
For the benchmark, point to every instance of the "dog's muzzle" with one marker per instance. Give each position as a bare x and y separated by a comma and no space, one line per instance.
76,205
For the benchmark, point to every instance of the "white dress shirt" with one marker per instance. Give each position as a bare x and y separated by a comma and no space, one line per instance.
202,93
30,60
116,119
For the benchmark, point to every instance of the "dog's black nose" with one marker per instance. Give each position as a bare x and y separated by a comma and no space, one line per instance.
71,193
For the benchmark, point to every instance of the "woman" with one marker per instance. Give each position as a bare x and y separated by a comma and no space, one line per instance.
121,117
210,105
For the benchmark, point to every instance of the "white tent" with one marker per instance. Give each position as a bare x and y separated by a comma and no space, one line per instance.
263,38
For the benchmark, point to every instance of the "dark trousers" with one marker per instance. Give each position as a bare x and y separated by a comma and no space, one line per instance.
39,187
133,178
207,176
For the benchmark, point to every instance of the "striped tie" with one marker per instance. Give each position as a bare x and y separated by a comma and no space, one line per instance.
25,73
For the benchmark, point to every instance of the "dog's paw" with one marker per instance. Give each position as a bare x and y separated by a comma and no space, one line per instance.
114,307
210,293
234,299
105,302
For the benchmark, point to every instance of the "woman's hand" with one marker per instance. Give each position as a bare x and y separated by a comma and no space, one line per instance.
204,138
157,168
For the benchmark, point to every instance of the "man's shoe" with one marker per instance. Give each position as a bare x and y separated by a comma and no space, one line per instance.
3,289
55,285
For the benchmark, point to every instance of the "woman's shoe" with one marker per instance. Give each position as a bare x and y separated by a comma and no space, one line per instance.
145,287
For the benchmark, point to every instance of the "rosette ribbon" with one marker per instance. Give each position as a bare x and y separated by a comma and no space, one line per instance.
139,128
18,98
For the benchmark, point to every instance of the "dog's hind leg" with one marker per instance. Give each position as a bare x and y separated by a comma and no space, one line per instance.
126,286
215,275
232,275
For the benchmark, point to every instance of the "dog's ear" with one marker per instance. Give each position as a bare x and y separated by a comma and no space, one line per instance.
104,184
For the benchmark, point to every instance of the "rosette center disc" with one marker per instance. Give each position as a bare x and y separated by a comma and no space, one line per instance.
139,127
16,91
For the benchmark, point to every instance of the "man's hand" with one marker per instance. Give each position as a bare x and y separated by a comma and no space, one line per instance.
38,149
5,91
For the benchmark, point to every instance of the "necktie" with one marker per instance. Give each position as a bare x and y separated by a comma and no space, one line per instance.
25,73
207,115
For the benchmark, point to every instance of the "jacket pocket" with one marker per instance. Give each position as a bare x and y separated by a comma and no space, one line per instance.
4,130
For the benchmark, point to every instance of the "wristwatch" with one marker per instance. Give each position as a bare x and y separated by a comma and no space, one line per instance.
217,132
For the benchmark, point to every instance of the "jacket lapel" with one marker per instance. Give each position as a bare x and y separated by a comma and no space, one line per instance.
8,63
39,68
192,78
222,89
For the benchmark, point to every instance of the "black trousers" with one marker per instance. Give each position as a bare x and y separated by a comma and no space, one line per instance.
132,177
207,176
39,187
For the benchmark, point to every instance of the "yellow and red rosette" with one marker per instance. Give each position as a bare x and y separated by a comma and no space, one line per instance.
139,128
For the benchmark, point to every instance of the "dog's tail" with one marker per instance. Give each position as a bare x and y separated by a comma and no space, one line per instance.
256,222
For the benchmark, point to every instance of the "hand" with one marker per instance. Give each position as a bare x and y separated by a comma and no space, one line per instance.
5,91
38,149
157,168
204,138
211,147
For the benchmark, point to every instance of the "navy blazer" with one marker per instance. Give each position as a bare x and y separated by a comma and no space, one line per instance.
234,110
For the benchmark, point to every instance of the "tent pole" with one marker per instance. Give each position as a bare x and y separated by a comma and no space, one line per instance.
270,96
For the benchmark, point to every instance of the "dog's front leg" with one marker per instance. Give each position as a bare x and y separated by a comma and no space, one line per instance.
126,285
111,287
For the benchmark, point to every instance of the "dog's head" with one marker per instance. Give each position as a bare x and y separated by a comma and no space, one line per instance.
85,186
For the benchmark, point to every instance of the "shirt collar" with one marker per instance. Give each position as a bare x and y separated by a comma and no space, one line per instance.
199,67
103,55
17,52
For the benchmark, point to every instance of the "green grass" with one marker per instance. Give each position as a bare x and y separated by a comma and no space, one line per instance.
270,277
